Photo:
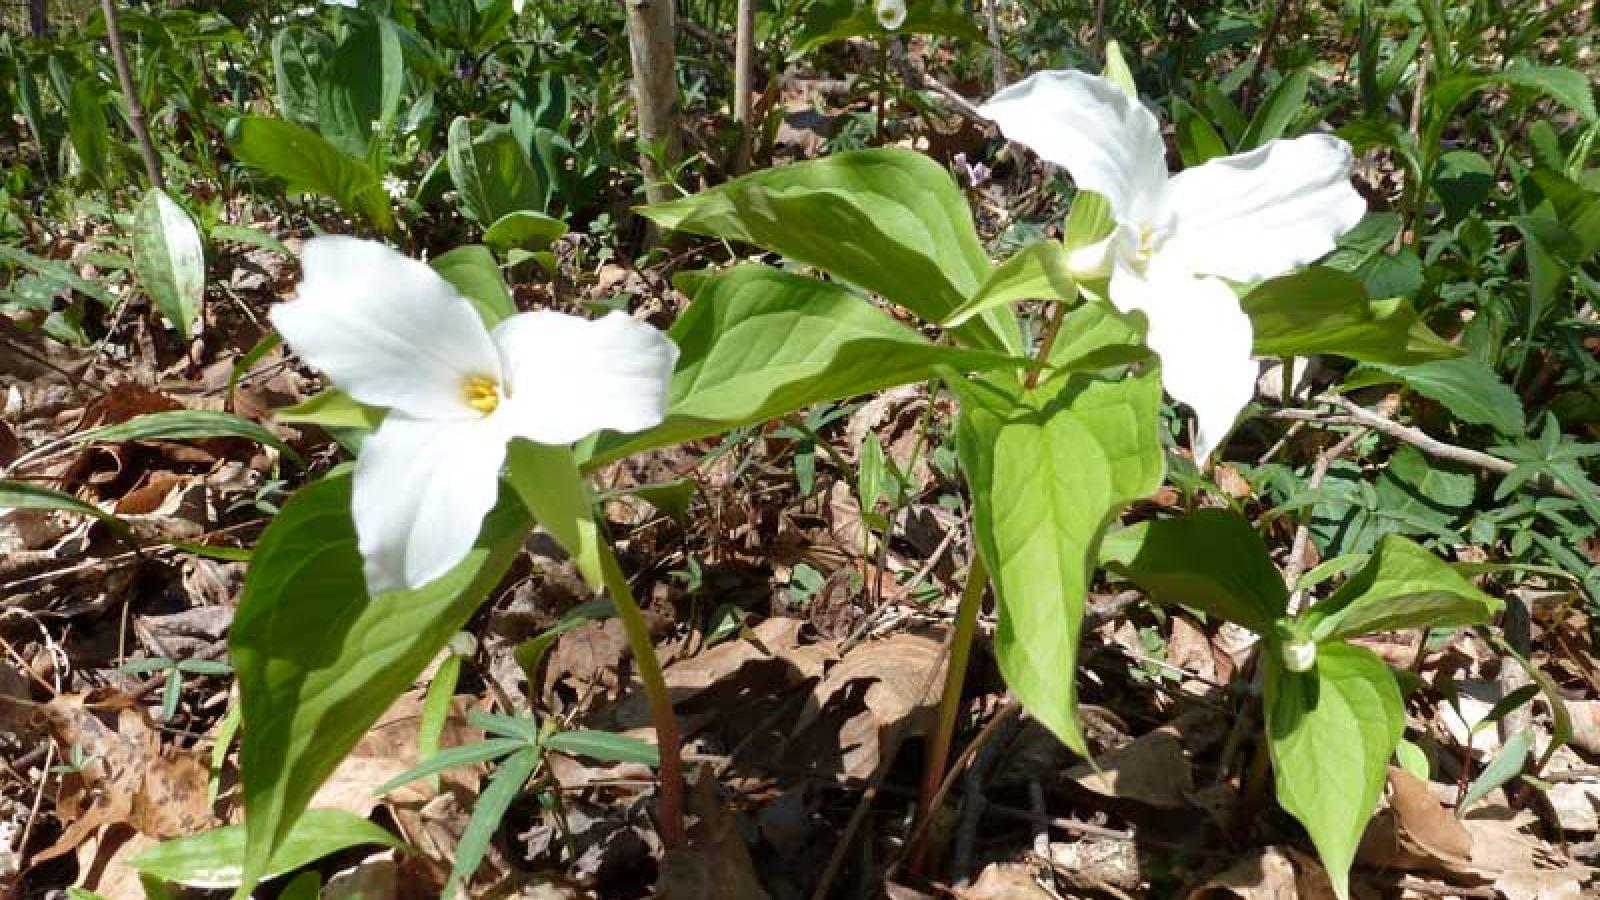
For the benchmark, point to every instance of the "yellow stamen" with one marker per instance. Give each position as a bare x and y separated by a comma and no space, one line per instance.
482,393
1147,242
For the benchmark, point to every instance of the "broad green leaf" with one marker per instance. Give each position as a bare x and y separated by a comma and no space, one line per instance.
318,660
553,490
91,138
471,270
308,164
1415,486
828,21
170,259
1402,586
1036,272
1331,732
185,425
25,495
490,808
1285,101
1467,387
214,859
1048,469
1567,86
358,97
1210,559
1197,140
1093,336
59,273
332,408
1322,310
604,746
523,229
891,221
1462,180
299,55
491,172
758,343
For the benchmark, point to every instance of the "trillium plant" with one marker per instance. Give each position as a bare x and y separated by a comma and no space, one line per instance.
475,421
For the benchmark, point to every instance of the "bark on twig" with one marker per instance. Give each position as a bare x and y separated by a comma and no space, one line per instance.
743,71
141,134
651,30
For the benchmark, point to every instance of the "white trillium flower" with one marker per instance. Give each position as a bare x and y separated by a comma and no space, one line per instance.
391,332
891,14
516,6
1242,218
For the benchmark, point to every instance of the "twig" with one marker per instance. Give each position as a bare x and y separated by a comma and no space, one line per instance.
743,67
119,57
997,55
1416,437
1264,58
918,80
1296,564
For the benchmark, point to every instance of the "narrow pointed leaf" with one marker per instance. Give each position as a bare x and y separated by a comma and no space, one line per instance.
1401,586
169,258
214,859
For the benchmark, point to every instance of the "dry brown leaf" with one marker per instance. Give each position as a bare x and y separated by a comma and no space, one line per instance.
1424,826
1005,881
1276,873
1097,864
716,865
902,674
102,862
1585,725
1153,770
125,778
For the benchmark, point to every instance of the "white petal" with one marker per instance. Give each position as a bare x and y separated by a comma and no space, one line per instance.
1203,338
386,328
421,491
1260,214
1107,140
569,377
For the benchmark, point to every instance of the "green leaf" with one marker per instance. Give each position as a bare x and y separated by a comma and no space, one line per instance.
308,164
1197,140
503,787
24,495
604,746
891,221
523,229
829,21
255,237
1095,336
57,272
472,271
1322,310
1567,86
299,55
332,408
454,758
1506,765
1036,272
170,259
1285,101
1414,486
359,97
757,344
1402,586
1468,388
491,172
1210,559
184,425
86,123
1048,469
318,660
212,859
1463,180
1331,732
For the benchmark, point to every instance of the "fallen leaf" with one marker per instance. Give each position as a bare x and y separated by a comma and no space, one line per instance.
1276,873
716,864
1005,881
1425,826
1153,769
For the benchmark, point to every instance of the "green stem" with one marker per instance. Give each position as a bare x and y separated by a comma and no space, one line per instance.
655,691
950,701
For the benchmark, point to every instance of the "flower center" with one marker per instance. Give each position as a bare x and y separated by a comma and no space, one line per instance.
482,393
1147,244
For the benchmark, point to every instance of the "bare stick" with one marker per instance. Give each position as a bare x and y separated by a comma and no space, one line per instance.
1264,58
743,69
1296,565
651,30
119,56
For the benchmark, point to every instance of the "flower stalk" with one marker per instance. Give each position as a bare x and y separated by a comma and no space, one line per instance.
655,690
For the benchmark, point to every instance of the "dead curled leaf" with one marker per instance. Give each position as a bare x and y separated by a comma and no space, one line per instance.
716,865
124,777
1153,770
1276,873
